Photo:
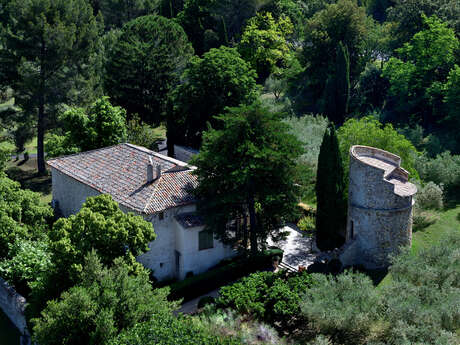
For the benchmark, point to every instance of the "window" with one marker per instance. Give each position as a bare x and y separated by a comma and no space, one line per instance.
352,230
205,240
161,216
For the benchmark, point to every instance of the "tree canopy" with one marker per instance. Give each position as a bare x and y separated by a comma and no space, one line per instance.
246,170
198,98
46,58
145,64
99,225
104,302
98,126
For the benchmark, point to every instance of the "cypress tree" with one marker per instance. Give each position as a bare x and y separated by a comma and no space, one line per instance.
337,90
331,197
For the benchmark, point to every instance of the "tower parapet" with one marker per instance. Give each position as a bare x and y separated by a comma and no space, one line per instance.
380,202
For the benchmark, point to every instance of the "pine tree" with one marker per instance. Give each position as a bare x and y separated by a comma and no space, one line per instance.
330,193
46,58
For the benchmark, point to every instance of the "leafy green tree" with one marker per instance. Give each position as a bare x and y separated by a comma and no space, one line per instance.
27,264
106,301
452,101
100,125
331,214
407,14
337,89
246,169
118,12
204,29
198,97
418,76
5,156
264,43
145,64
47,49
22,215
370,132
99,225
344,22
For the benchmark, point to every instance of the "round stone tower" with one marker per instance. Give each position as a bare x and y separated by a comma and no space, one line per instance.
380,201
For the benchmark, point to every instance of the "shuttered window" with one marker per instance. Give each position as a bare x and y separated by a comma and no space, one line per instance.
205,240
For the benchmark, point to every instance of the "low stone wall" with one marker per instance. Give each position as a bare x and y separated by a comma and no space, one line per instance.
13,305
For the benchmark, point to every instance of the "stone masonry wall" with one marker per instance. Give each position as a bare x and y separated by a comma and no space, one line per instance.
379,221
13,305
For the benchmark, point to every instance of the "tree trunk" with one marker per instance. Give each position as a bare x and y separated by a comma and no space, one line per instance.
253,227
40,137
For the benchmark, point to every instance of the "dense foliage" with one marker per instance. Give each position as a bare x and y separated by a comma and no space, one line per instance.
145,64
22,215
105,301
199,98
99,126
370,132
267,296
246,169
47,58
99,225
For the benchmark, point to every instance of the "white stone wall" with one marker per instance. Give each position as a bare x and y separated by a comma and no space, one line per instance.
161,257
69,193
193,259
170,236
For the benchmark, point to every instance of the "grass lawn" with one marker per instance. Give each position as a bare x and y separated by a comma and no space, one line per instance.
26,174
448,222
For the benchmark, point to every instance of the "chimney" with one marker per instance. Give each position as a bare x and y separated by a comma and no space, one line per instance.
150,171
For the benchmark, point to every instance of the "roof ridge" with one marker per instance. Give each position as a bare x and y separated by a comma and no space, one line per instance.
84,152
159,155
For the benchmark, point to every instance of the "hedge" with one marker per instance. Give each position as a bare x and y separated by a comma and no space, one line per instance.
200,284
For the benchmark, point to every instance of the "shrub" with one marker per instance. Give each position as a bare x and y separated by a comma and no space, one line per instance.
169,330
228,322
442,170
344,307
140,133
29,262
5,155
430,196
200,284
270,297
307,224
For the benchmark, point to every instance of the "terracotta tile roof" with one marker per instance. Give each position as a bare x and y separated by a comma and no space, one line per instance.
121,171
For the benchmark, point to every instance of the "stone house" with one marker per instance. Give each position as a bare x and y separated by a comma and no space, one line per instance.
149,184
380,203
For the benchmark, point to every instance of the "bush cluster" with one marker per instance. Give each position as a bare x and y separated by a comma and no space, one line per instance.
444,170
195,286
429,196
270,297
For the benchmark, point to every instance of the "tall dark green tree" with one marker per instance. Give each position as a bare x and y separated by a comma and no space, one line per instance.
331,197
47,47
145,64
337,90
246,169
118,12
220,79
